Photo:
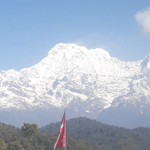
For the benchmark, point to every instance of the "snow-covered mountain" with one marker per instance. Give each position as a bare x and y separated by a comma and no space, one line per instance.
133,108
84,82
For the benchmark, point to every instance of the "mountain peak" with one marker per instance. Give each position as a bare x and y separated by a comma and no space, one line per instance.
69,47
61,47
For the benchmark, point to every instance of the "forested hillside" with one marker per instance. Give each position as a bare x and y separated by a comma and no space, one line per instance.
104,136
143,131
29,138
82,134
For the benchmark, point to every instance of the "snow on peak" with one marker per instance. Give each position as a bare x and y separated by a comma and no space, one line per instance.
146,62
75,66
71,76
62,47
63,58
101,53
145,65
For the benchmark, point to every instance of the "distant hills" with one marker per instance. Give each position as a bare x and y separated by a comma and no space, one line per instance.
104,135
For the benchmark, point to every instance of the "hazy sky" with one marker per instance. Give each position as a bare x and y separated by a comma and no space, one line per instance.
30,28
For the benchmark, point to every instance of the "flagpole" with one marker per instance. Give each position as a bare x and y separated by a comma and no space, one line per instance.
65,131
61,140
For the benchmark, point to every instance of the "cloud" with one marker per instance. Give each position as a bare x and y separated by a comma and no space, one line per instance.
143,18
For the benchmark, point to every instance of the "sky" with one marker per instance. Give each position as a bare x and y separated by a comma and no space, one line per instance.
30,28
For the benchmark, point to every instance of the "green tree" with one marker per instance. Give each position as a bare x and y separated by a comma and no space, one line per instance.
3,146
29,129
15,146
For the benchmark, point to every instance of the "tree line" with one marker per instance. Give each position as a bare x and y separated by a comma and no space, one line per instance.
104,136
29,137
82,134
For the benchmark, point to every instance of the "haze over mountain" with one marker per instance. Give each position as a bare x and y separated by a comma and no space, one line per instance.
85,82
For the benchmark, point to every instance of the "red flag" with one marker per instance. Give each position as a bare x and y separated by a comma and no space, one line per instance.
61,140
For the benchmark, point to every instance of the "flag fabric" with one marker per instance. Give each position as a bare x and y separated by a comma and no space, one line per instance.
61,140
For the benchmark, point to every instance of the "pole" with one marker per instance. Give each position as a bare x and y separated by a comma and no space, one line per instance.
65,131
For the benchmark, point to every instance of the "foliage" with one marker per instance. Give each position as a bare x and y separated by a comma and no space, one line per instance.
15,146
29,129
103,136
82,134
40,141
143,131
3,145
9,133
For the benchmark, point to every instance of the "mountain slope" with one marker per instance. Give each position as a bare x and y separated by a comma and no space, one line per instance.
132,109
